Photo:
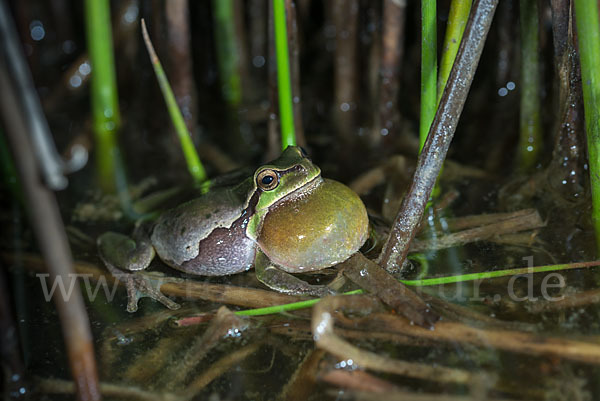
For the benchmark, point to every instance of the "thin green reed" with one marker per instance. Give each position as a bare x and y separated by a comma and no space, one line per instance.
588,36
104,94
428,67
228,57
286,111
192,159
457,20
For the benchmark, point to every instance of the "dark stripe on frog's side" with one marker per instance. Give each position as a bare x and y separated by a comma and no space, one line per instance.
226,250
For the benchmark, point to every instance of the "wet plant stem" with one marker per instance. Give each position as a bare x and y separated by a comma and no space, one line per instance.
227,52
461,278
428,67
457,20
530,139
286,110
194,164
104,94
588,36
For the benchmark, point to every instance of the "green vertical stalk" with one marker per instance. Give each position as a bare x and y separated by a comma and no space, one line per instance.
530,140
428,67
286,111
227,51
457,20
192,159
588,37
104,95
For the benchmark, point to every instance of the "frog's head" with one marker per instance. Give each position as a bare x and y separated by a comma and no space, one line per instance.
291,172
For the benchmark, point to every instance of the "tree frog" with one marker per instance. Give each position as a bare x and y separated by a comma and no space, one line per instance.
284,219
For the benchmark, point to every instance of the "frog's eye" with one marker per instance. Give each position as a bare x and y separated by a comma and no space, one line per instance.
303,152
267,180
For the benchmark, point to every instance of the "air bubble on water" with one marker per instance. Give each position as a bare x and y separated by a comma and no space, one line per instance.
85,68
36,30
75,81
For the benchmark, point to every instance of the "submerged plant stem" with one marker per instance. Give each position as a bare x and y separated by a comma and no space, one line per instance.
428,67
286,111
588,34
104,95
195,167
530,140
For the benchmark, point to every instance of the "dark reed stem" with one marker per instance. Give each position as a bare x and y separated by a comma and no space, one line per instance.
51,237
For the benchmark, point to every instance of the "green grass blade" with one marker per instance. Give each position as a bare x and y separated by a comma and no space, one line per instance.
192,159
428,67
588,35
286,111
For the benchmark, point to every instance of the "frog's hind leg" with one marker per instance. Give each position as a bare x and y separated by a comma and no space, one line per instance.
125,258
281,281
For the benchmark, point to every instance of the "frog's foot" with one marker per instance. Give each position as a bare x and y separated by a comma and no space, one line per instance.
146,284
125,257
281,281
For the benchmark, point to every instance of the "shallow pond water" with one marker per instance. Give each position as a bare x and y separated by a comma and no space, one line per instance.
526,335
